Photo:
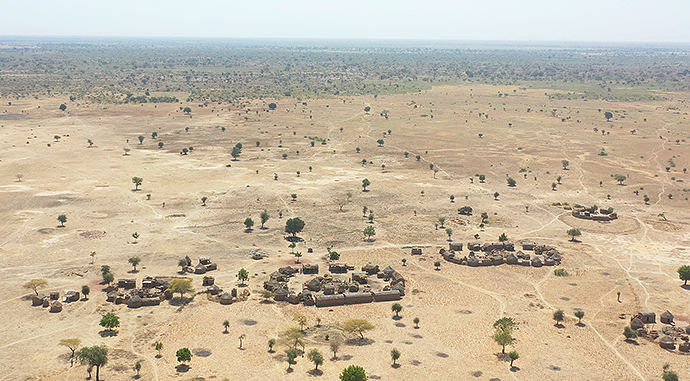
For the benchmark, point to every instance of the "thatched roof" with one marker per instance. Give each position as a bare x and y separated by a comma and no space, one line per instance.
667,315
388,271
667,340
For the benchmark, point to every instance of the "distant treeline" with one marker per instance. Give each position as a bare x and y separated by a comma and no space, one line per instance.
213,72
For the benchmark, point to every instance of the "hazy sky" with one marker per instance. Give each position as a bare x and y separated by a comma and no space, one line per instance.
540,20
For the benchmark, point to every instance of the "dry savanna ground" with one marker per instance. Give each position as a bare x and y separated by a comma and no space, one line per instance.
636,255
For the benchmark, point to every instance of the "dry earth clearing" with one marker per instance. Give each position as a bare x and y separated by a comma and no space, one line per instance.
636,255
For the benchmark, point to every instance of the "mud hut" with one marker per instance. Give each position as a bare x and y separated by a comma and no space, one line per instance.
56,306
134,302
455,246
666,317
225,298
667,342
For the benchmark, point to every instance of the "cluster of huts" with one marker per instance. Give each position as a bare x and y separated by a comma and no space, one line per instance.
601,215
52,300
204,265
151,293
672,334
327,290
497,253
216,293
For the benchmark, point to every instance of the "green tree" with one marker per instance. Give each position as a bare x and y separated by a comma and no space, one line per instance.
272,106
316,357
437,264
135,235
452,198
35,284
503,338
496,194
503,237
137,182
242,275
565,163
416,322
357,326
159,348
511,182
646,199
72,344
141,139
236,152
449,232
137,367
226,324
365,184
85,290
291,356
108,277
248,223
181,286
369,232
62,218
558,316
154,135
558,179
294,226
608,115
466,210
183,355
668,374
629,333
187,110
574,233
96,356
395,355
90,142
396,307
684,273
380,142
579,314
367,109
620,178
271,343
57,138
203,201
264,218
553,186
160,144
110,321
513,356
134,261
485,216
184,151
353,373
482,178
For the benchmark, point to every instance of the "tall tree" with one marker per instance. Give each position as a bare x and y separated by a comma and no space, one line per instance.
357,326
684,273
264,218
95,356
503,337
365,184
353,373
134,261
62,218
181,286
574,233
294,226
35,284
316,357
395,355
137,182
110,321
242,275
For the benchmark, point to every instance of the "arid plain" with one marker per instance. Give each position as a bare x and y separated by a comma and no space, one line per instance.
636,255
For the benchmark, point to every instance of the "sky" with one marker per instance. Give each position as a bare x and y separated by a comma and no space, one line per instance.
470,20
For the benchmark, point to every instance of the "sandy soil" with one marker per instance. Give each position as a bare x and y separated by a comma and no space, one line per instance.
636,255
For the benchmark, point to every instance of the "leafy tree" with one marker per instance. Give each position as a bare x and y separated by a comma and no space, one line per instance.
452,198
226,324
367,109
284,156
236,152
646,199
684,273
608,115
511,182
85,290
35,284
108,277
137,367
63,107
485,216
357,326
134,261
574,233
565,163
449,232
503,338
380,141
395,355
184,151
503,237
181,286
316,357
159,347
437,264
141,139
669,375
272,106
187,110
264,218
203,201
294,226
135,235
56,137
513,356
396,307
620,178
482,178
160,144
335,346
353,373
271,343
182,263
558,316
553,186
579,314
154,135
416,322
242,275
291,356
629,333
96,356
72,344
248,223
183,355
357,150
62,218
365,184
137,182
504,324
333,255
466,210
496,194
110,321
369,232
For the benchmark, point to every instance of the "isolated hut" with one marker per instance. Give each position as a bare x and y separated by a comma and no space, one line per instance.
56,306
666,317
527,245
667,342
416,251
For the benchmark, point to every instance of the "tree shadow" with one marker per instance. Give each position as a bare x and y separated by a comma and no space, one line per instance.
132,271
289,370
293,239
60,227
136,377
267,301
575,241
316,372
581,324
395,366
401,325
107,333
514,368
182,368
631,341
263,228
158,356
559,325
685,287
359,341
179,301
248,230
502,356
397,317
